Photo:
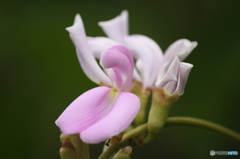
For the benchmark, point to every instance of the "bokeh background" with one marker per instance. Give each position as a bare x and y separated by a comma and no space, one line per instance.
40,74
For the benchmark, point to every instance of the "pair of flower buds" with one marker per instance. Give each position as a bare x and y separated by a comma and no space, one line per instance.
103,112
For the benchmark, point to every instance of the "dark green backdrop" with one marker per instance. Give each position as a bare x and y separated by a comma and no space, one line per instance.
40,74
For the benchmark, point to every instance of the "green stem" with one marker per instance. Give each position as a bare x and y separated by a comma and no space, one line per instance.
173,121
189,121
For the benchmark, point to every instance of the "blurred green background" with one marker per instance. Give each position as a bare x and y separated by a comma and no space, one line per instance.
41,76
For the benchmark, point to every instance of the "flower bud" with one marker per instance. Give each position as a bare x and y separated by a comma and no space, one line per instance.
67,150
123,153
73,147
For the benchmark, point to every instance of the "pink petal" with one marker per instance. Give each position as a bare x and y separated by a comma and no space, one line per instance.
85,111
120,60
181,48
116,28
116,121
85,56
184,72
125,51
116,77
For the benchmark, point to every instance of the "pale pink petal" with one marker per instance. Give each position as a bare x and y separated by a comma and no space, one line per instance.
184,72
170,76
99,44
151,44
120,60
136,75
146,61
181,48
148,55
86,110
116,28
85,56
171,87
116,121
124,22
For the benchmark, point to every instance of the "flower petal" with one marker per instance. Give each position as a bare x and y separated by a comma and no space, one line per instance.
151,44
85,56
86,110
171,87
120,60
184,72
170,76
181,48
136,75
116,121
115,75
99,44
148,55
116,28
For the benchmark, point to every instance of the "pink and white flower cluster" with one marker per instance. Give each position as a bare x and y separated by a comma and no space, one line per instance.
103,112
153,68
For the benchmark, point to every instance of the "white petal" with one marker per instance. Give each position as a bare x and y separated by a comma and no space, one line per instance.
124,22
184,72
116,28
99,44
85,56
148,55
171,87
136,75
171,74
151,44
181,48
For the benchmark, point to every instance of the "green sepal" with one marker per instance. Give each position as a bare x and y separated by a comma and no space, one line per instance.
123,153
161,105
73,147
143,95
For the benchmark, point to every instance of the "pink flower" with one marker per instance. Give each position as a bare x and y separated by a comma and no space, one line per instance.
152,66
103,112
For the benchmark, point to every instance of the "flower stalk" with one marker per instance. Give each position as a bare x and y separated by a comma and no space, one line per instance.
174,121
195,122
